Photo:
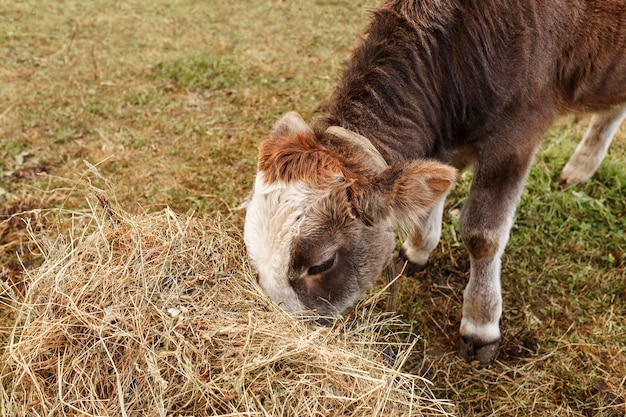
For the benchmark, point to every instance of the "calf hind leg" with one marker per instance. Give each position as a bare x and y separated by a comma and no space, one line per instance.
593,147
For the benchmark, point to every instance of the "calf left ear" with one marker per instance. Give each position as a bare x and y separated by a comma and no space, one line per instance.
291,124
405,193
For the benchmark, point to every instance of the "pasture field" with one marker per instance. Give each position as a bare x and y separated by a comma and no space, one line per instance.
169,99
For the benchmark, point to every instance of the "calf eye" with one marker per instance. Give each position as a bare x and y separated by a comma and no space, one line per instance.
323,267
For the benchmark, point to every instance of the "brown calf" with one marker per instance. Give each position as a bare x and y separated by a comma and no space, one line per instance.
435,87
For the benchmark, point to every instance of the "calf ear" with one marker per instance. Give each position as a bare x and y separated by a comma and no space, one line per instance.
405,193
291,124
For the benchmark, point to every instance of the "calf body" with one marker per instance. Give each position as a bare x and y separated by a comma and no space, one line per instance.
435,87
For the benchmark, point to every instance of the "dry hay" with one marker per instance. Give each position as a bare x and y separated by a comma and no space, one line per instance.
159,315
14,216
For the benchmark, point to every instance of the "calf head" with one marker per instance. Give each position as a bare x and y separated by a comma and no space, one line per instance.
319,222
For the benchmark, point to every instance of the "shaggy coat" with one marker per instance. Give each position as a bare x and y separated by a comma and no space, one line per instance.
434,87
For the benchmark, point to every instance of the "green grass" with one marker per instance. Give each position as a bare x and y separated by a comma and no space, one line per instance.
170,99
197,72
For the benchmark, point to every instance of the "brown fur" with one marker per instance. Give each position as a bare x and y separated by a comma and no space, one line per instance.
437,82
298,158
432,76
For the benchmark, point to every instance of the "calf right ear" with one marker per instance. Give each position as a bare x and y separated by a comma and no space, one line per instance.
404,193
291,124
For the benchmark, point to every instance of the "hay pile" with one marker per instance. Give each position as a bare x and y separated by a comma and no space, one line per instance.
159,315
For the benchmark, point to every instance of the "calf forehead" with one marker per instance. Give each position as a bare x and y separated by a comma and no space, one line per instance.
297,159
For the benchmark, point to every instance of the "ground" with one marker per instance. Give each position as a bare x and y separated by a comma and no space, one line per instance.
169,100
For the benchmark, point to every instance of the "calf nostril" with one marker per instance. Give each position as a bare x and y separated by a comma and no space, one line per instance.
324,321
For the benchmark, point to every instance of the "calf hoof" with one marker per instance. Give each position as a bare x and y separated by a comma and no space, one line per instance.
411,268
475,351
575,173
565,182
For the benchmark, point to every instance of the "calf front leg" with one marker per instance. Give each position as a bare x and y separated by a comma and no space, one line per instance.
593,147
423,240
486,220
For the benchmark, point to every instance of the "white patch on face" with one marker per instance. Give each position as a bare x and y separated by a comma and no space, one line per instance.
273,216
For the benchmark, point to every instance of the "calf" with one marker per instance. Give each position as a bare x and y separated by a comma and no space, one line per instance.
435,87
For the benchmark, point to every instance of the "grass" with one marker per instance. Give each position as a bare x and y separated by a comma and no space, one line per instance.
169,100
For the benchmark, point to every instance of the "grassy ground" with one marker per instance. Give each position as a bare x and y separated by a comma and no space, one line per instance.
170,98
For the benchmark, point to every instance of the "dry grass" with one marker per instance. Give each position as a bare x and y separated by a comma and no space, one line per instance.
169,98
159,315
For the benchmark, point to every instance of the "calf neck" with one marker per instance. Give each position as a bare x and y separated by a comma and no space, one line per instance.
435,87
